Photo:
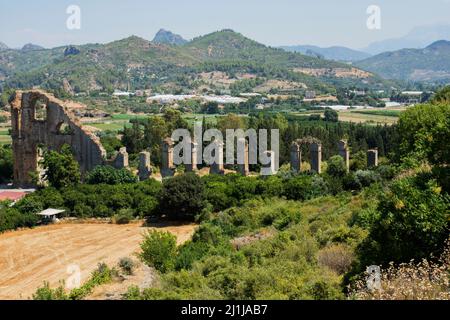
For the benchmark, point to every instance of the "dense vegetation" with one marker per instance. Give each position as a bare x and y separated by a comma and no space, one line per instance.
288,236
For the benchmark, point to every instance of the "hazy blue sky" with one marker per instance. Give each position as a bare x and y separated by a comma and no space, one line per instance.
272,22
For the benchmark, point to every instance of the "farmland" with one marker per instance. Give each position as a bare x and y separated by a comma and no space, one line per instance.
29,257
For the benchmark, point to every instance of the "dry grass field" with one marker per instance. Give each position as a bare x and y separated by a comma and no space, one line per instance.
30,257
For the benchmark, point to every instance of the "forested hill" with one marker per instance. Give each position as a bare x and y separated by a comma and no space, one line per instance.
137,63
429,64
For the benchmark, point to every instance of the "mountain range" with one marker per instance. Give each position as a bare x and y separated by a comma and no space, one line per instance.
418,37
137,63
431,63
336,53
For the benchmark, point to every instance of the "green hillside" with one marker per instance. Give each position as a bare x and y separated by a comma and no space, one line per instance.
135,63
429,64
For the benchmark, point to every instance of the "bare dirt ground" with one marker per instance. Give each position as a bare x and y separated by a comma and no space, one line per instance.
30,257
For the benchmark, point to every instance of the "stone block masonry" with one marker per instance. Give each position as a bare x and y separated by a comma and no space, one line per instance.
57,126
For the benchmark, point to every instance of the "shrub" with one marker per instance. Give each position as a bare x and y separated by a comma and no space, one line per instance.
11,219
336,167
126,265
305,187
159,250
337,257
412,222
124,216
103,274
47,293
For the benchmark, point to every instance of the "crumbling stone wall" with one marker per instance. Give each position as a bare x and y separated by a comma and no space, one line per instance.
29,132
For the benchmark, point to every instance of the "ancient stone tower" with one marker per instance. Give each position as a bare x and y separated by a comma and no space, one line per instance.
192,166
168,168
39,119
316,157
217,167
344,152
145,168
243,157
296,157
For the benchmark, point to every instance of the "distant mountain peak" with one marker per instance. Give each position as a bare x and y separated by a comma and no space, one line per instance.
164,36
31,47
440,44
331,53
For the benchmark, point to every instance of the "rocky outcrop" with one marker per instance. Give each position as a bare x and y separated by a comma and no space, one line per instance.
167,37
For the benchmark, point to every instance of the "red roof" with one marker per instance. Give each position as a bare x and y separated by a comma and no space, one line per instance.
12,195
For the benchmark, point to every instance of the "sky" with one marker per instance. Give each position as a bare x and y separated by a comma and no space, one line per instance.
272,22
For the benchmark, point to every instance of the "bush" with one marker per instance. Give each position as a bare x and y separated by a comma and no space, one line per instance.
124,216
413,222
159,250
11,219
126,265
305,187
47,293
182,197
110,175
336,167
337,257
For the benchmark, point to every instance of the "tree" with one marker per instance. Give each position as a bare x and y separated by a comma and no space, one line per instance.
412,222
358,161
442,96
230,121
6,164
182,197
424,131
336,166
132,138
61,169
331,115
110,175
159,250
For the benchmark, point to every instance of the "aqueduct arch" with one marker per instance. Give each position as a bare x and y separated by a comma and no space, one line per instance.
315,149
57,127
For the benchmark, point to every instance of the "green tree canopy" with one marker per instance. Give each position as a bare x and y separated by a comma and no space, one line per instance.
61,169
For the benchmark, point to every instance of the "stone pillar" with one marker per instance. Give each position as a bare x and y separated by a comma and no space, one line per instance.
372,158
217,167
316,157
192,167
344,152
121,160
269,169
145,169
167,166
296,157
242,146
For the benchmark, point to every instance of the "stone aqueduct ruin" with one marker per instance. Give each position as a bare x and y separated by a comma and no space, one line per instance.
60,126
